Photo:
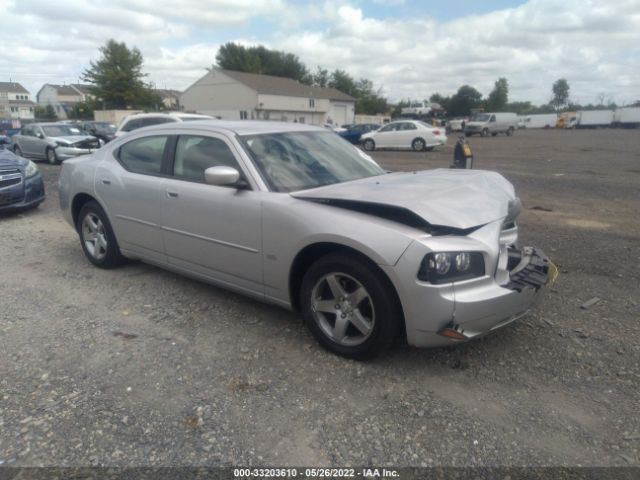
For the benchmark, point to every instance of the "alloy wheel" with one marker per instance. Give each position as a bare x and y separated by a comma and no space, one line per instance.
94,236
343,309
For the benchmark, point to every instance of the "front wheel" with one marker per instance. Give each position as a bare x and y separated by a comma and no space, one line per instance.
369,145
485,132
97,238
52,158
418,145
349,307
17,150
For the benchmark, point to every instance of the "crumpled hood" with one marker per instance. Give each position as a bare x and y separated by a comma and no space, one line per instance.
443,197
73,138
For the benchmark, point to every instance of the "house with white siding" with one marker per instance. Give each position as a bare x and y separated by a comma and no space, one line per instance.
232,95
63,97
15,102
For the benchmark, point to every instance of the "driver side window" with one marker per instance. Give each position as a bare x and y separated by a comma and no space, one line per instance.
194,154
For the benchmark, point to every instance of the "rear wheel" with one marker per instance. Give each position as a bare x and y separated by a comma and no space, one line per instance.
52,158
510,131
369,145
418,145
96,237
349,307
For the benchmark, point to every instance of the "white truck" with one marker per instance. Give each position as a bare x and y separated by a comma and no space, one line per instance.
491,123
417,110
541,120
628,117
594,118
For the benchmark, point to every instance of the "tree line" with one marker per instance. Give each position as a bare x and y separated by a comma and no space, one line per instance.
118,82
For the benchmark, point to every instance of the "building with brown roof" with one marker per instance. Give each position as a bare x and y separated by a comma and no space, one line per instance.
15,102
235,95
63,97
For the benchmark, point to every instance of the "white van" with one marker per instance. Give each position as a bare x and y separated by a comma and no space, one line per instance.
491,123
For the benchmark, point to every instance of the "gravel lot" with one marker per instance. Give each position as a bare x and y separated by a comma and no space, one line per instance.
138,366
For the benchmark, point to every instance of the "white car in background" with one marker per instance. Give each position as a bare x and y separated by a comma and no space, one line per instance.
413,134
139,120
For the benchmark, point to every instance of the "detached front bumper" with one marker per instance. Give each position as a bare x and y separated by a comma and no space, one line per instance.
479,311
439,315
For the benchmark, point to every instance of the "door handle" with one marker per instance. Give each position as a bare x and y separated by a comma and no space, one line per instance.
172,194
106,182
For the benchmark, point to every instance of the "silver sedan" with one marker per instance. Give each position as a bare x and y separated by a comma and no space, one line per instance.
53,142
296,216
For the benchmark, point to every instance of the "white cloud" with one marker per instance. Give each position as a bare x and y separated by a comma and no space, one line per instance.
594,44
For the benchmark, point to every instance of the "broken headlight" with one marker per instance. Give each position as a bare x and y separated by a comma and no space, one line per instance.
447,267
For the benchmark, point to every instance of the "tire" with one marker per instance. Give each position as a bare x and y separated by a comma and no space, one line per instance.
17,150
96,237
485,132
510,131
369,145
52,158
349,307
418,145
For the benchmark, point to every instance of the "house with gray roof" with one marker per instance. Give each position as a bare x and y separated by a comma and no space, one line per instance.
15,102
233,95
63,97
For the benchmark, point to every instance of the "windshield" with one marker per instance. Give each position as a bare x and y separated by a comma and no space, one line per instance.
61,131
104,127
481,117
301,160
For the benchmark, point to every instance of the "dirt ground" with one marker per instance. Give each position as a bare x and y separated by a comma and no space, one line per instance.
138,366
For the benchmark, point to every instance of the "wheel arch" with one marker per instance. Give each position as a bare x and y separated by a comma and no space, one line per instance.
80,200
309,254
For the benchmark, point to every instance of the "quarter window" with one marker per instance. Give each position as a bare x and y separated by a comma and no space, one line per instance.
195,154
143,155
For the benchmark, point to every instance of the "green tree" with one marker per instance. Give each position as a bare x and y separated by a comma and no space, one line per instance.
560,91
82,111
465,99
369,101
499,96
232,56
321,77
117,78
341,80
45,113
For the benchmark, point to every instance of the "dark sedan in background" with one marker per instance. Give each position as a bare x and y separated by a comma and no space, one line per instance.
354,132
21,184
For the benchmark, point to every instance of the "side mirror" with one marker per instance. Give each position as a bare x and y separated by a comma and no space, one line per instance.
221,176
40,135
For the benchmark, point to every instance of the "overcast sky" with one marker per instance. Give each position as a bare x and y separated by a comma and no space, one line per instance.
408,48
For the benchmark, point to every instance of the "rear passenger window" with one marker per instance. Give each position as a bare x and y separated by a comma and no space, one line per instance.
195,154
143,155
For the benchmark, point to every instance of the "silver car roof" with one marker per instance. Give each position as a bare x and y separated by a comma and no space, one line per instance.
238,127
